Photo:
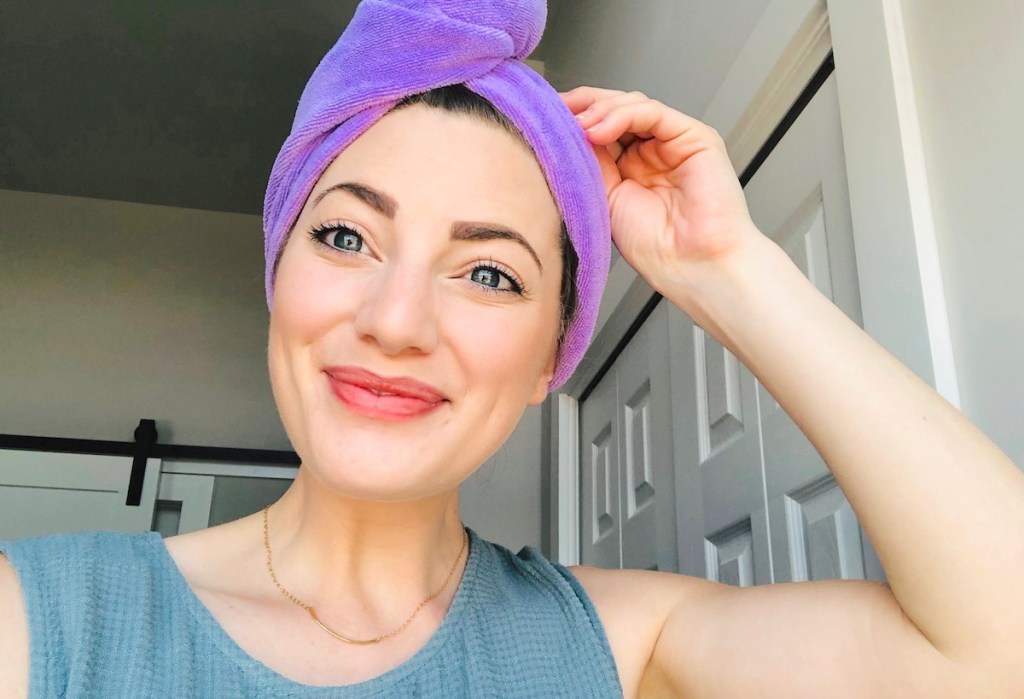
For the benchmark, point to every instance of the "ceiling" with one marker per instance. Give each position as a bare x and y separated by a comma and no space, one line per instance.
181,103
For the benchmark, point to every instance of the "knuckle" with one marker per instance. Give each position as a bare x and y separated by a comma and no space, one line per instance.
712,134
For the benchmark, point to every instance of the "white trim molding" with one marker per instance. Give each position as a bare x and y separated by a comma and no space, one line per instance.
902,297
568,422
786,48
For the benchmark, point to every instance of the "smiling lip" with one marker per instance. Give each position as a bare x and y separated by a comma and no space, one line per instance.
366,393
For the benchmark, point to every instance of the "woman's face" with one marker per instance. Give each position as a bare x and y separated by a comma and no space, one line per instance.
416,305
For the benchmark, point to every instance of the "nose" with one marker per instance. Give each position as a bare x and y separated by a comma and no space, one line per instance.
399,313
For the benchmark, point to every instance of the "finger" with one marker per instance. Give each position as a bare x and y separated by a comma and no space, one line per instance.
610,175
580,98
615,149
650,118
628,139
601,107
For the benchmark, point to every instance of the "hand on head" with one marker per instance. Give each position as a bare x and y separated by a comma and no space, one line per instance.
673,196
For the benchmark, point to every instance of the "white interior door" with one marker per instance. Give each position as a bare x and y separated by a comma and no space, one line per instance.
799,197
49,493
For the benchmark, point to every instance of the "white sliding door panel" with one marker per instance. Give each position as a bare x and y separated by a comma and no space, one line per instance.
647,476
600,527
824,537
49,493
735,528
722,522
689,503
729,555
799,198
627,475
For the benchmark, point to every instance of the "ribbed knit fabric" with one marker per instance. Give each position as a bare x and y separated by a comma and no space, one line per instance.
110,615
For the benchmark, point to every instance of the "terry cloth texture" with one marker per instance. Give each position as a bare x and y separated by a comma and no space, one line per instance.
110,615
396,48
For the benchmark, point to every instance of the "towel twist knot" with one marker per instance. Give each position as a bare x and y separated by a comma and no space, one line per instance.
521,20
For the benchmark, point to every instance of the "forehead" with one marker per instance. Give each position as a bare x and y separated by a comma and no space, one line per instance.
455,166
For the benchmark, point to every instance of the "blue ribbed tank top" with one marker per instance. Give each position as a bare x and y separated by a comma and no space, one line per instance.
110,615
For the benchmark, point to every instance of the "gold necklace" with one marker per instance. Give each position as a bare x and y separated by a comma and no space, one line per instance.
312,612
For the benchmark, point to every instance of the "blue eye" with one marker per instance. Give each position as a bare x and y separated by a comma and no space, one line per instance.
338,237
493,278
348,240
487,277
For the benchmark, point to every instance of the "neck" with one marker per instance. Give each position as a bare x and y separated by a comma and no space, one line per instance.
369,561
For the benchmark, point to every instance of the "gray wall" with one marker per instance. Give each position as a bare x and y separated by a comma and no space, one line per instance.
502,500
113,311
677,52
966,61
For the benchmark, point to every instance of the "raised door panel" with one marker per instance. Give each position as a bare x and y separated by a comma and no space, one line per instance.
647,490
736,542
722,522
600,526
799,198
50,493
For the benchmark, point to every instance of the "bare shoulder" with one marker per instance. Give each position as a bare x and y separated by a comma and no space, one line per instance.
14,639
633,606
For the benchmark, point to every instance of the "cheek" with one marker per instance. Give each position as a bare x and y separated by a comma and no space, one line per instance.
305,307
505,348
307,302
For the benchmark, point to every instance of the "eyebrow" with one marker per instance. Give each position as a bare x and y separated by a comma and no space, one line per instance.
465,230
368,195
461,230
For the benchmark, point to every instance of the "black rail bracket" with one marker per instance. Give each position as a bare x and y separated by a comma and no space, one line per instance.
145,438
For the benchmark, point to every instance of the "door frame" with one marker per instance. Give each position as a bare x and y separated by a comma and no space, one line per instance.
902,297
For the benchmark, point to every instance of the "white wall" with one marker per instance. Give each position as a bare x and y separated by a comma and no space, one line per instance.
112,311
966,62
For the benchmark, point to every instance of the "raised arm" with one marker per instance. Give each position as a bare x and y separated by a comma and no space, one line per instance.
944,507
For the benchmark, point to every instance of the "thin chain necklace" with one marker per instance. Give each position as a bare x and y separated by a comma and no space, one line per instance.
312,612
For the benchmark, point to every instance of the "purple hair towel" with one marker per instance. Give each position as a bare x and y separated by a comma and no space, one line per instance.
396,48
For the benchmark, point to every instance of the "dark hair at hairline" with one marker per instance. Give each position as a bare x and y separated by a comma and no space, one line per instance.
459,99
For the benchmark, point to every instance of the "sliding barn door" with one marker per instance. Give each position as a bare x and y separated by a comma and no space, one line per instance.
50,493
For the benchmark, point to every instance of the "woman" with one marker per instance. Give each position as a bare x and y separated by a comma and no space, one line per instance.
421,299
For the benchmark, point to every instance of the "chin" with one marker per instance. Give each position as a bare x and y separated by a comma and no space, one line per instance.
378,464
